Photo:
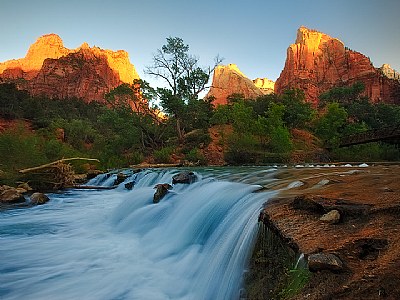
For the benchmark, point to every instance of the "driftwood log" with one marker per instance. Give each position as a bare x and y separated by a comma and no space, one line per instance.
52,176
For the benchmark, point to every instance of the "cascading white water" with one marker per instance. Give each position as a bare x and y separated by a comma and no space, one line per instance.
117,244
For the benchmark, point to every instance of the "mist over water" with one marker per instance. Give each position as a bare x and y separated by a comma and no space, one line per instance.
117,244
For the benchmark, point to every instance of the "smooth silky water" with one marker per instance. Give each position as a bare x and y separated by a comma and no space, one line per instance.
117,244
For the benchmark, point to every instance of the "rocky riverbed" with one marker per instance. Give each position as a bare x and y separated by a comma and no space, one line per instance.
364,236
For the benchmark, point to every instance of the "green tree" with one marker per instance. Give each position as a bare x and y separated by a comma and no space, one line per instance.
184,78
344,95
331,125
297,112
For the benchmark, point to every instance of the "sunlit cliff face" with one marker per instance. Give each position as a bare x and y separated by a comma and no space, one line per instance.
228,80
51,69
317,62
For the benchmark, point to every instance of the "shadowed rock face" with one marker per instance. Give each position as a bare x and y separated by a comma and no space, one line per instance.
52,70
317,62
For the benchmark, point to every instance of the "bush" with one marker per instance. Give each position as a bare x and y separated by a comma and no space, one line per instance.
242,149
196,138
20,149
196,157
368,152
163,155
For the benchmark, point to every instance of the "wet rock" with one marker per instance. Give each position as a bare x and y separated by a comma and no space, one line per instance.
80,178
93,173
11,195
184,177
324,261
38,199
387,190
322,183
307,203
120,178
25,186
332,217
129,185
161,191
21,190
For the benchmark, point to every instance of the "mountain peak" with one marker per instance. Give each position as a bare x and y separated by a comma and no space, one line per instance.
228,80
318,62
51,69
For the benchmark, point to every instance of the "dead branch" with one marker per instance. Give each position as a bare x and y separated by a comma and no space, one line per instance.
52,164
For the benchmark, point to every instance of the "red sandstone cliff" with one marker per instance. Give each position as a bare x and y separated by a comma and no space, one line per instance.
228,80
317,62
55,71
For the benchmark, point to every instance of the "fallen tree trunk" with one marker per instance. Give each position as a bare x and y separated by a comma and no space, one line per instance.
52,176
54,163
93,187
146,166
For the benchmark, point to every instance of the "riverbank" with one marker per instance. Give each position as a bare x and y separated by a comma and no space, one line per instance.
366,238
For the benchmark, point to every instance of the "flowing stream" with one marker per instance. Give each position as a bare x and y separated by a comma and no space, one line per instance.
117,244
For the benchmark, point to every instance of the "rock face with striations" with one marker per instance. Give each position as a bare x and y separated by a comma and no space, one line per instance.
317,62
52,70
229,80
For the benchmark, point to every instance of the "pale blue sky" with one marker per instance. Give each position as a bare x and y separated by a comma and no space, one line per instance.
252,34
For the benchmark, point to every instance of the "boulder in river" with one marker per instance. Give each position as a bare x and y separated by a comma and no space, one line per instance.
184,177
10,195
129,185
120,178
324,261
161,191
93,173
38,199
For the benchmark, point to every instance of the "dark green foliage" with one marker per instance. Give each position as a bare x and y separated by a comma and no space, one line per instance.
117,135
345,95
196,157
347,112
163,155
258,135
367,152
331,125
196,139
20,149
242,149
297,112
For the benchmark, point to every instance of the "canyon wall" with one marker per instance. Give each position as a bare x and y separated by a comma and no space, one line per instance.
317,62
55,71
229,80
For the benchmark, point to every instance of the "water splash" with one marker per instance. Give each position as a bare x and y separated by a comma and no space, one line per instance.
117,244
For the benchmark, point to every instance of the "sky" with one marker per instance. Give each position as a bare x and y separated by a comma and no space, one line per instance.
254,35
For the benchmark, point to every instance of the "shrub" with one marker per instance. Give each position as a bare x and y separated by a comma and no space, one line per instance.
195,156
163,155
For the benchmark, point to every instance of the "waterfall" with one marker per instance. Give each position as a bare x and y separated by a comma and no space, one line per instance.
116,244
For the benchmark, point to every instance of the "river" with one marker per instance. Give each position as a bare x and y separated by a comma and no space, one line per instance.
117,244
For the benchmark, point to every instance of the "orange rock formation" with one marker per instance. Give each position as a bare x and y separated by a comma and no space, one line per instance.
318,62
58,72
228,80
265,85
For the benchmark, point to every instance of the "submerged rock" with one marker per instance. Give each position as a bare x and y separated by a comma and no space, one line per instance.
184,177
129,185
120,178
161,191
332,217
324,261
93,173
38,199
